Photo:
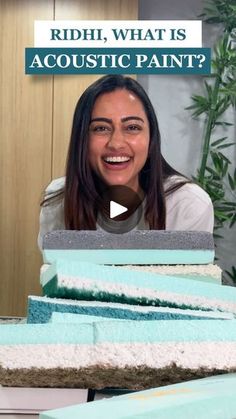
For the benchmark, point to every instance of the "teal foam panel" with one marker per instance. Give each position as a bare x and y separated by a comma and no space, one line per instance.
117,331
40,310
208,398
132,256
56,282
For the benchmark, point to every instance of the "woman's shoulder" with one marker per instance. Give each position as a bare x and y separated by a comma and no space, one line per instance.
55,186
53,194
197,192
52,209
188,190
189,208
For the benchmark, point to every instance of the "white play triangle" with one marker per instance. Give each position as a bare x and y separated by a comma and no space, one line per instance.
116,209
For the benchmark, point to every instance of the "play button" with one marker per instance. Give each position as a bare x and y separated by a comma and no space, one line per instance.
116,209
119,209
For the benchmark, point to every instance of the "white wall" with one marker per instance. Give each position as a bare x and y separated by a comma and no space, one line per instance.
170,95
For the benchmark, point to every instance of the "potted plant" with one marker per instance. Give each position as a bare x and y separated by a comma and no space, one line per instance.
216,173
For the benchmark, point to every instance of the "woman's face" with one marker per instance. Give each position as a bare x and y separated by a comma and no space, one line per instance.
118,138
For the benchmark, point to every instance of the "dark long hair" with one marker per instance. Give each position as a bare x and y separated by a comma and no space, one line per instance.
81,193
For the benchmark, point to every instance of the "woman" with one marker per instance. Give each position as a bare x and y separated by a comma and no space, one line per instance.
115,140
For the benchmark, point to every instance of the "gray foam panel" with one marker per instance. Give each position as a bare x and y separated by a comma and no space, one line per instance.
136,239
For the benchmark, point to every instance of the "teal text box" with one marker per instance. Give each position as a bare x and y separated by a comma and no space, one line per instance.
118,61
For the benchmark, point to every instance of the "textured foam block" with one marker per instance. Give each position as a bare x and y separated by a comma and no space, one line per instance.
164,315
40,310
78,318
136,247
120,354
212,398
206,273
86,281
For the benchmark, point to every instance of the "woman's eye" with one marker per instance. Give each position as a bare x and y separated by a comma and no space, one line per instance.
134,127
100,128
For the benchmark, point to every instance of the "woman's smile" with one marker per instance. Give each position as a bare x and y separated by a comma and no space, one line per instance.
118,138
116,162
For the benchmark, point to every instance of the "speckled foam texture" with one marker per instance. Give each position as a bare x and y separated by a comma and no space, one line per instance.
136,239
87,281
40,310
118,354
211,398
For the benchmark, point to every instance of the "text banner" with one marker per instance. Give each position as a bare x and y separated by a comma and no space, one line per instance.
118,61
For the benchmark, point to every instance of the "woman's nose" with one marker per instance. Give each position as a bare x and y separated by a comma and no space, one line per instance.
116,139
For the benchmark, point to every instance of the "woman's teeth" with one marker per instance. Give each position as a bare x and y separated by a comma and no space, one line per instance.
118,159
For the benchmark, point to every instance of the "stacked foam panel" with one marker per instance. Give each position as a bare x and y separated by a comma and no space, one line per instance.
138,247
115,353
113,336
148,251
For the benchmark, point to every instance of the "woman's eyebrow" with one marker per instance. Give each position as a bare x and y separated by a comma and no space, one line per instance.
132,117
101,119
125,119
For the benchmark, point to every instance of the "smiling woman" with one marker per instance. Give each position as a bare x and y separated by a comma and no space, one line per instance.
115,141
118,138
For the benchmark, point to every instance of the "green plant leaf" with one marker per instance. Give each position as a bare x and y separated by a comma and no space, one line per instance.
225,209
225,169
221,215
215,184
200,105
215,174
217,161
208,89
231,182
230,204
223,157
222,105
224,123
232,274
219,141
233,221
217,236
225,146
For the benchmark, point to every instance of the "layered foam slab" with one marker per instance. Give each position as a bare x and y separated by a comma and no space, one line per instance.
86,281
115,354
213,397
40,310
136,247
